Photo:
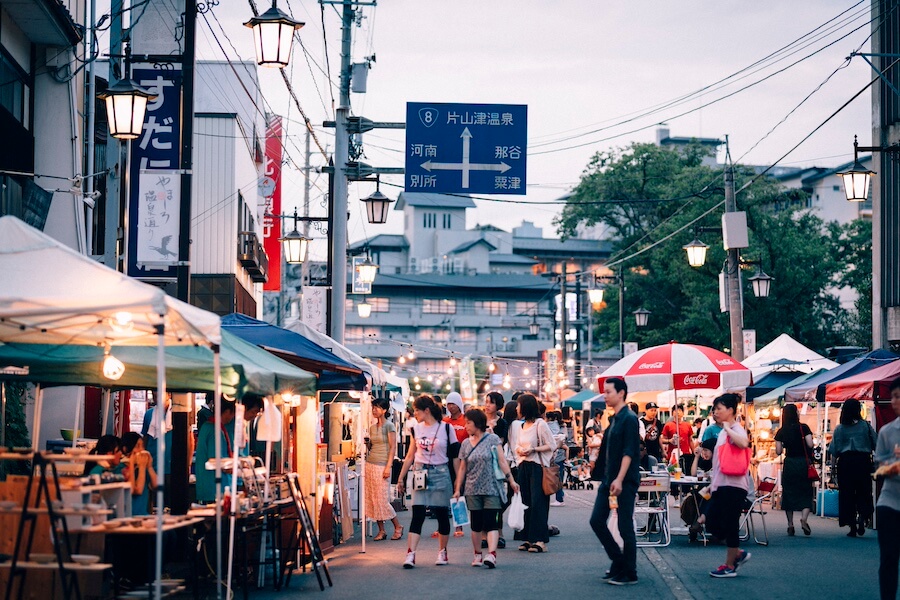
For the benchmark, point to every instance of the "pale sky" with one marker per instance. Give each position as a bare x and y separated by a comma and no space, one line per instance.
580,66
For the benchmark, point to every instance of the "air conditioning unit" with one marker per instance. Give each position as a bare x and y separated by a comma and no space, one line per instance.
413,265
435,265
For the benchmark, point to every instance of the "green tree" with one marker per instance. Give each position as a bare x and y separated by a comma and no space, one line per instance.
16,427
646,195
853,250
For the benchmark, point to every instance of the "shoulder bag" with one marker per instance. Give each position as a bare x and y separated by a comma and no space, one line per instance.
550,481
733,460
811,472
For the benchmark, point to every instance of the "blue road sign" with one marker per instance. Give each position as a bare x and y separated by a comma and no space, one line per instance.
466,148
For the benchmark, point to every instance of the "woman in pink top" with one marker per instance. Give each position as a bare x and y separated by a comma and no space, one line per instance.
728,491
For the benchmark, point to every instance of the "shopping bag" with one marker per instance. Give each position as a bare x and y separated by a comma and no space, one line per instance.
459,511
515,514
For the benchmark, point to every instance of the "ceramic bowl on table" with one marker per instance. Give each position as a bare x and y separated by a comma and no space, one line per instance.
85,559
69,434
42,559
112,524
93,506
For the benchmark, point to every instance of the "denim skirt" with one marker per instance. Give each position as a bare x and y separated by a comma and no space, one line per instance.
439,488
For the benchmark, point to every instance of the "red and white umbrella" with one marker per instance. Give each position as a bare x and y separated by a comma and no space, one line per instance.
676,366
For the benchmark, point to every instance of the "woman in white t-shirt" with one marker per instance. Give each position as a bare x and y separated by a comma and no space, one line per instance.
433,445
533,445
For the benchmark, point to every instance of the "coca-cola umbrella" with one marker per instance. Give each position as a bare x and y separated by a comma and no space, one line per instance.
675,366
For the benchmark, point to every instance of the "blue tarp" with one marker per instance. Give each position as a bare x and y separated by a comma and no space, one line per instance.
814,387
333,372
770,381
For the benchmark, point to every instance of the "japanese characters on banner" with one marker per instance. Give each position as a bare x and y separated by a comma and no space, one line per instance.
154,202
358,287
313,307
552,362
158,220
271,190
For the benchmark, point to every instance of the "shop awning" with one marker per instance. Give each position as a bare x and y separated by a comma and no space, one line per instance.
333,371
785,351
772,380
773,397
814,388
577,401
869,385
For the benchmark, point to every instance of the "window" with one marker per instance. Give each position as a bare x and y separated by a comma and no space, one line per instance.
380,305
349,305
362,335
493,308
429,220
446,221
526,308
465,335
430,334
13,90
432,306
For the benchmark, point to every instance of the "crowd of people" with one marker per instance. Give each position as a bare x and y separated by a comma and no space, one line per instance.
502,450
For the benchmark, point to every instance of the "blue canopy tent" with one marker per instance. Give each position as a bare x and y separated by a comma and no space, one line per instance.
814,387
769,382
333,372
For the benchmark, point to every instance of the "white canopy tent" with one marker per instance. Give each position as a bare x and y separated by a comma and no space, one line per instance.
51,294
785,351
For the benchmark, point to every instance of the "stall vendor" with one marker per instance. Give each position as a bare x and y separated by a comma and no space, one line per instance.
107,445
206,450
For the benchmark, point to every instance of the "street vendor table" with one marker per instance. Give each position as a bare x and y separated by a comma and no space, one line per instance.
690,486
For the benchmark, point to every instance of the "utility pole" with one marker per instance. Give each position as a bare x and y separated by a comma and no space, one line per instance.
579,368
622,311
338,224
564,321
733,270
307,170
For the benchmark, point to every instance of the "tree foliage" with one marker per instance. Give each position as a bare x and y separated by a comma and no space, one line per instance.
645,196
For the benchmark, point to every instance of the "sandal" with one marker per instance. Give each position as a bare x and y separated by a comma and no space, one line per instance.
382,535
458,534
538,547
398,533
791,531
524,547
805,528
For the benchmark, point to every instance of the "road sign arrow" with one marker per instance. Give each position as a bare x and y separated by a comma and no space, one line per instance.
465,166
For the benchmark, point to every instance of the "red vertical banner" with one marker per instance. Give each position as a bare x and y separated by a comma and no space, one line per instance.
271,184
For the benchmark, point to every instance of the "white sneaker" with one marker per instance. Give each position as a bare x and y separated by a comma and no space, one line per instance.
410,561
442,558
557,503
477,561
490,560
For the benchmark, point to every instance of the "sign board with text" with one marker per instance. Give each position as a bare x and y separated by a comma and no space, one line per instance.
466,148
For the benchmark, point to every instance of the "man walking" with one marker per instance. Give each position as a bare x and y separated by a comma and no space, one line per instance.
652,430
618,488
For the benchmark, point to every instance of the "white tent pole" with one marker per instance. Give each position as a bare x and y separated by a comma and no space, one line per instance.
38,406
217,410
107,394
820,425
78,403
365,410
160,416
236,444
261,580
3,413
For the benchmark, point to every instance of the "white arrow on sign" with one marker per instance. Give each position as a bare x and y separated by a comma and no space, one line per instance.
465,166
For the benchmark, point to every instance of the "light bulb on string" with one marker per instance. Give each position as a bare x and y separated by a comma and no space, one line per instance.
402,360
506,385
416,379
526,372
418,387
112,367
452,361
411,355
394,372
492,367
430,378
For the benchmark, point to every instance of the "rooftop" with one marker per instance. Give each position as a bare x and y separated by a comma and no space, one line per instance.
487,280
433,200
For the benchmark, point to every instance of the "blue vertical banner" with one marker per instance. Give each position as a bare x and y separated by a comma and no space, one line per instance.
154,198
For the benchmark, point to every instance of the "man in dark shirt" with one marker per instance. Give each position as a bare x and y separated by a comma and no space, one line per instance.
621,479
652,429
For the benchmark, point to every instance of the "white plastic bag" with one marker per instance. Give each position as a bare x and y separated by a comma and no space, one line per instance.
459,512
515,514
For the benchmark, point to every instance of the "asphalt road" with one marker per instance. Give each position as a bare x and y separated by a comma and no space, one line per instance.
824,565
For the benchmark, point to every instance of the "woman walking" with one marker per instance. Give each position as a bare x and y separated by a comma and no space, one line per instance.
499,426
852,445
533,447
795,440
430,450
728,491
483,494
379,460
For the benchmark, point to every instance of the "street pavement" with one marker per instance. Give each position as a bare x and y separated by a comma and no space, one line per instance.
825,565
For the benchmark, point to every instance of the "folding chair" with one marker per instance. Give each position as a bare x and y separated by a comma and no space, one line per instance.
764,492
652,500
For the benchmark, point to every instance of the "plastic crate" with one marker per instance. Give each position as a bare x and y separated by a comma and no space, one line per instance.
828,499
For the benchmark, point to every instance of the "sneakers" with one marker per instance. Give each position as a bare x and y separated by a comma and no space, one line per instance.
410,561
442,557
490,560
555,502
478,561
741,560
723,571
623,580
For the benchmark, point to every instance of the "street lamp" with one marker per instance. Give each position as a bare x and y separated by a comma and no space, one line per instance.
595,295
696,253
273,32
534,328
377,206
364,309
367,271
856,179
294,246
641,317
761,284
126,105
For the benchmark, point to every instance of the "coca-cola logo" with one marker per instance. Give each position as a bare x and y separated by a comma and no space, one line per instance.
724,362
653,365
700,379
